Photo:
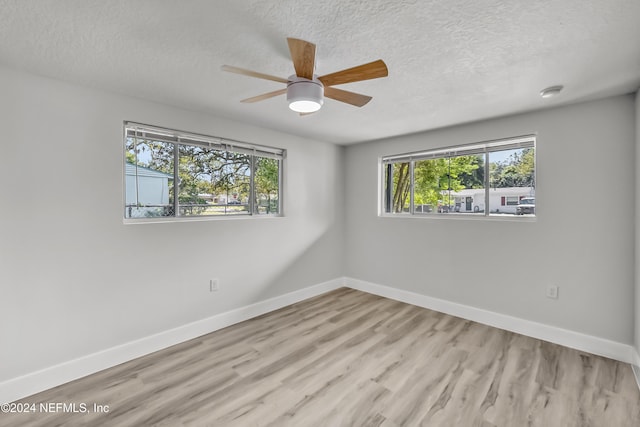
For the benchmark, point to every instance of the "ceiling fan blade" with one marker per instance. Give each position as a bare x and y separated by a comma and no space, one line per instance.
250,73
265,96
372,70
303,55
346,96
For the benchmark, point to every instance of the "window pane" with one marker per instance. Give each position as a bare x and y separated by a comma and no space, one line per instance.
512,180
233,183
213,182
267,183
397,187
197,186
449,185
428,191
148,179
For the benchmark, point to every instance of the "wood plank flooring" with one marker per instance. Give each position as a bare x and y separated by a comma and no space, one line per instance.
348,358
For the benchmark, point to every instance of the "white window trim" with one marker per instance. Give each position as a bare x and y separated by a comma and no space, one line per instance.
484,147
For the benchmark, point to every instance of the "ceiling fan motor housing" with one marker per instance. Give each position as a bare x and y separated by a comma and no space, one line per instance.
304,95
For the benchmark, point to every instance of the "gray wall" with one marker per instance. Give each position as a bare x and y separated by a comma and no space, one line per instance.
637,247
582,240
75,280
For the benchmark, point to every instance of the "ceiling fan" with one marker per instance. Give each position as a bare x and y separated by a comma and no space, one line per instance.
305,90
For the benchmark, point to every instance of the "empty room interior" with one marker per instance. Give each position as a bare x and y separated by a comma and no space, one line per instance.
358,213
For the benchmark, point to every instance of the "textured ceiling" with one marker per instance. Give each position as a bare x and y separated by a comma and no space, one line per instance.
449,62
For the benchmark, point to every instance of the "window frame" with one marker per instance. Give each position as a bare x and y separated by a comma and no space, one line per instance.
484,148
190,139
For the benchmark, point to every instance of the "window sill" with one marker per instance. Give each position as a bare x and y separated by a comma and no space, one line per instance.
464,217
156,220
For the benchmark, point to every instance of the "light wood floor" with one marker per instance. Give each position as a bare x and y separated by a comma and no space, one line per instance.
348,358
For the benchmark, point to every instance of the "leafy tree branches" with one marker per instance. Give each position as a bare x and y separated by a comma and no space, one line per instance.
518,170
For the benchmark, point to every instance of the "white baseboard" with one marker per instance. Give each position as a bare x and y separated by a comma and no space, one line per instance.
35,382
567,338
635,365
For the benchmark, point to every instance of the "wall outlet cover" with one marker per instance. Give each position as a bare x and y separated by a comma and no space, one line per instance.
552,291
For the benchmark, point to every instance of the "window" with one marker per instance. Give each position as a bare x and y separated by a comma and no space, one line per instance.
175,174
489,178
510,200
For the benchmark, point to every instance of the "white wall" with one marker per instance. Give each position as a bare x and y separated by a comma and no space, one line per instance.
582,243
75,280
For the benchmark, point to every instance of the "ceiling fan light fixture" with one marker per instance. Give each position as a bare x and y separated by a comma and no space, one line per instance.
304,106
304,96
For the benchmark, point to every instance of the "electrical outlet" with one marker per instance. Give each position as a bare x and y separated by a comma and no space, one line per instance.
552,291
214,285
